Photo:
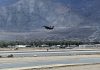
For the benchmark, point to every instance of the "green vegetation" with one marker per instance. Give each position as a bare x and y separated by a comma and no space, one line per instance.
5,44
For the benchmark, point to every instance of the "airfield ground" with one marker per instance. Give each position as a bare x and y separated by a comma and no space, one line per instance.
53,67
93,66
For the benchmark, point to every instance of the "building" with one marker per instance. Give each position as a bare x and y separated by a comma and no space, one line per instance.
19,46
86,46
54,47
44,45
97,45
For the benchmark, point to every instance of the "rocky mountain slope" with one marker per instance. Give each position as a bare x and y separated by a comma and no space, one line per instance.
23,20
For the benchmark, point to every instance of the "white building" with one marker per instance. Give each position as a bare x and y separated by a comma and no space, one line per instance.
86,46
44,45
58,45
20,46
53,47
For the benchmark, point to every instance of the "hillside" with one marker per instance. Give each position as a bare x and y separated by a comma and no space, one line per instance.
23,20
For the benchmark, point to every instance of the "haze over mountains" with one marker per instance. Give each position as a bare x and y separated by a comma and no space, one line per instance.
73,19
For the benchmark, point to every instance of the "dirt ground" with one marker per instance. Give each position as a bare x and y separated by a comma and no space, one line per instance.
84,67
44,49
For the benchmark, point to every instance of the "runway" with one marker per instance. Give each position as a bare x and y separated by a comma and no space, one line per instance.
42,58
49,53
5,66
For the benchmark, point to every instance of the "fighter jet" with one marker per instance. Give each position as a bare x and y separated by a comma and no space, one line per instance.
49,27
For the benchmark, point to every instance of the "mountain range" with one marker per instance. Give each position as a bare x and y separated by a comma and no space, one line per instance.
73,20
